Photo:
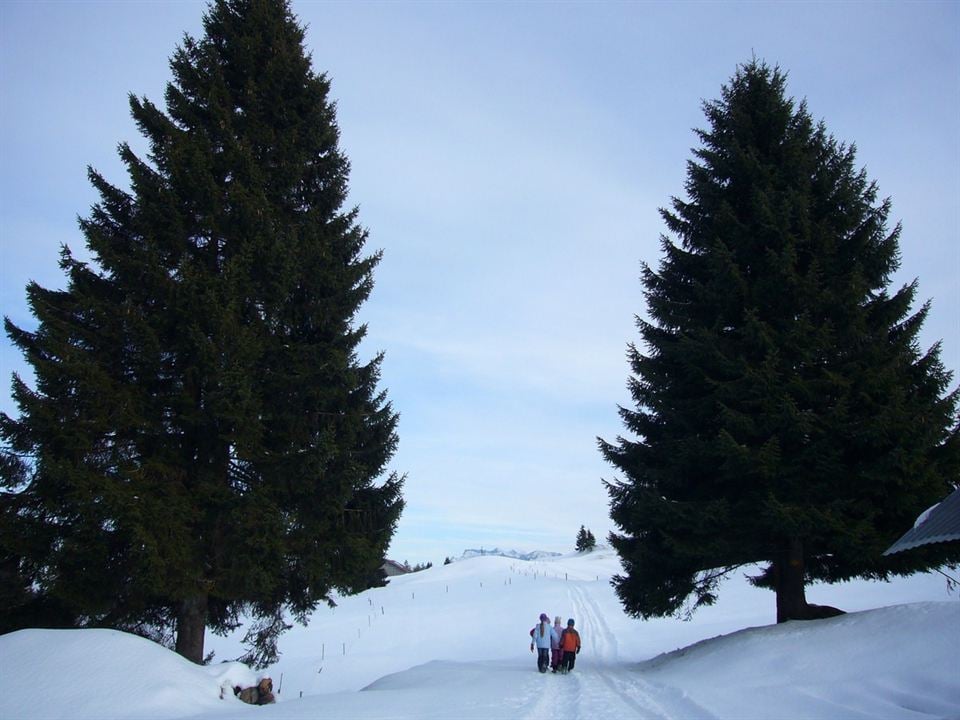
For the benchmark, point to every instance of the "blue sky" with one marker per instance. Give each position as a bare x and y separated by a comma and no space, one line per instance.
510,160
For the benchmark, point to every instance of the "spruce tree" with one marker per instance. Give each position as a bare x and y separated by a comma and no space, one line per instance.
203,439
585,540
581,539
785,413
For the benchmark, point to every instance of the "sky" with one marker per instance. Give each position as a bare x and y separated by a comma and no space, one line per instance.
510,160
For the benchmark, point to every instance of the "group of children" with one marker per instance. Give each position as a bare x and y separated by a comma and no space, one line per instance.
556,646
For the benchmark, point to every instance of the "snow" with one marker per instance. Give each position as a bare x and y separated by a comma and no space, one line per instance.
452,642
922,517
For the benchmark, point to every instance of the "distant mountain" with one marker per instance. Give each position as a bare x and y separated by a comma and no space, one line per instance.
516,555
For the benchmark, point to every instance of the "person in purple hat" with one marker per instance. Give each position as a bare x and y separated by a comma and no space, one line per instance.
543,636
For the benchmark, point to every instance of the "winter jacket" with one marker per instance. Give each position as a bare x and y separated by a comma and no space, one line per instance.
558,630
570,640
544,635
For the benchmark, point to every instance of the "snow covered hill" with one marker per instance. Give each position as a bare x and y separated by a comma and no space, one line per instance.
452,642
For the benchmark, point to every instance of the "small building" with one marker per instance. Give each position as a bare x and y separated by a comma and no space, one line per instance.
391,568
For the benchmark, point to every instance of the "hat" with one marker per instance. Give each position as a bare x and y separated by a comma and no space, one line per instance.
570,622
556,620
544,618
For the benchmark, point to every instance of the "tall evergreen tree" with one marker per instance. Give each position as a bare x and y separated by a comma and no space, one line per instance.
785,413
585,540
205,440
581,544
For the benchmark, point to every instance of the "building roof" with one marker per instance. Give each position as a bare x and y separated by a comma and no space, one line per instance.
941,523
392,567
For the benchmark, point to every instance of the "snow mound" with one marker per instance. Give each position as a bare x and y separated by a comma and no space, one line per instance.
106,675
891,662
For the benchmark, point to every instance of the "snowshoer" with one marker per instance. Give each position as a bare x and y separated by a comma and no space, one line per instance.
556,654
542,637
570,644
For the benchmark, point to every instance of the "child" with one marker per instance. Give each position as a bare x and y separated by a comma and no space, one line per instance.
570,644
543,636
556,654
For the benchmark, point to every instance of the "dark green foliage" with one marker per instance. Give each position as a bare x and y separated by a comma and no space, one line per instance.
784,411
204,440
261,641
585,540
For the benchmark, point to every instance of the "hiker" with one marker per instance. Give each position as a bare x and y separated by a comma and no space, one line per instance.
542,637
556,654
570,644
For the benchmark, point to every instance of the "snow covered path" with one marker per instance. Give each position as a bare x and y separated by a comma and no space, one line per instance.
607,691
491,691
601,685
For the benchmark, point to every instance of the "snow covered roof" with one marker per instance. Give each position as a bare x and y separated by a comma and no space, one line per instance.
940,523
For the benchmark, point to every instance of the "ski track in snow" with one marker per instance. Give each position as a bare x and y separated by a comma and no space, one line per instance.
601,687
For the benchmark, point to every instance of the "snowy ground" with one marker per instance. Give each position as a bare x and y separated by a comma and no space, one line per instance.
452,642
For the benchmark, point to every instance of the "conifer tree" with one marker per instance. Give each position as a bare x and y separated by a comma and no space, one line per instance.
204,440
585,540
785,413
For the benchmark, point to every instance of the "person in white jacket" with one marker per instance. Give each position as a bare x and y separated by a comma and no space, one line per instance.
556,653
543,637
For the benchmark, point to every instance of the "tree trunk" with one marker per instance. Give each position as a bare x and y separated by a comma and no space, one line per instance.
791,590
191,625
788,576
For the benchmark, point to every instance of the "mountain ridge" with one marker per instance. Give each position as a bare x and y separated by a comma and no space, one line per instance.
513,554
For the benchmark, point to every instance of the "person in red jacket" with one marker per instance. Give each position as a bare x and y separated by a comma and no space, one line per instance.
570,645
